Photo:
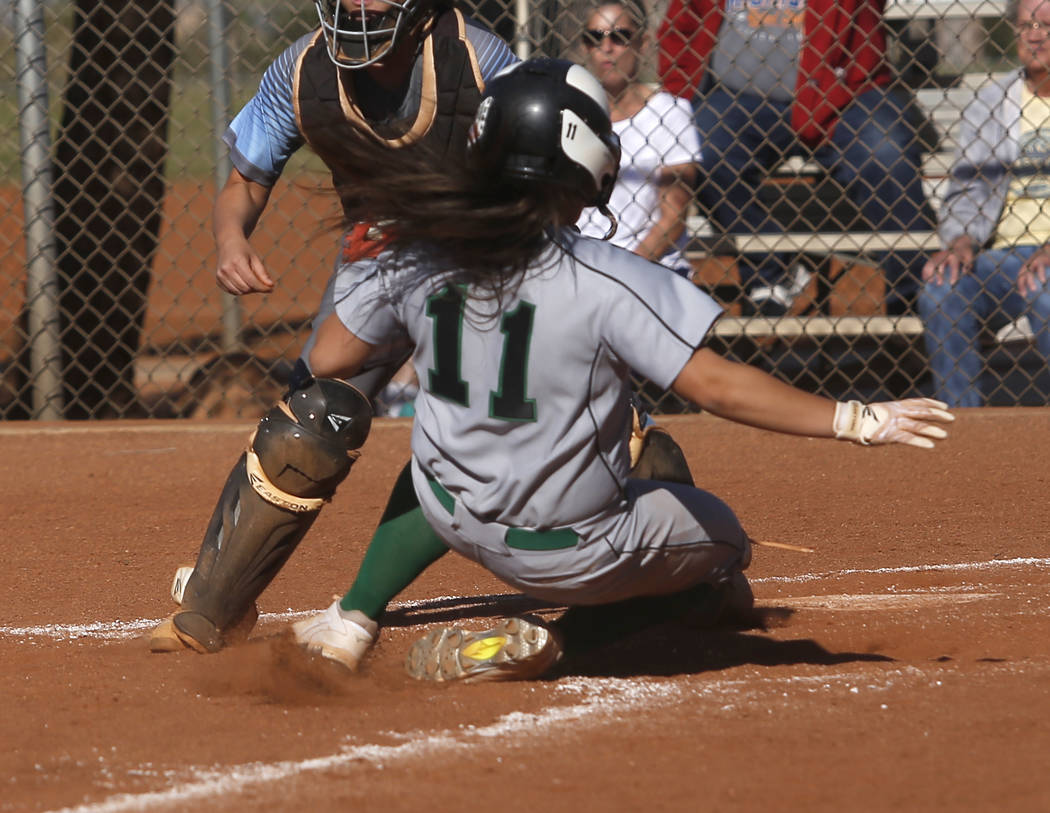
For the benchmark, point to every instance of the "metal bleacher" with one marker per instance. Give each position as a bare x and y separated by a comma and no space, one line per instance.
942,108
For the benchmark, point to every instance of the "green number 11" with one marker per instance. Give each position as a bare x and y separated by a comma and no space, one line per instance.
509,402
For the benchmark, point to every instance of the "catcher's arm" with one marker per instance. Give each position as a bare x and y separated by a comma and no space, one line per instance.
237,210
745,394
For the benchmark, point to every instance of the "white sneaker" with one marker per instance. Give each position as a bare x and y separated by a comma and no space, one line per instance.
338,636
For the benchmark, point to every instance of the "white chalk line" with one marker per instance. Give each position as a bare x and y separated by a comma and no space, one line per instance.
991,564
602,700
599,696
157,426
116,630
122,630
865,602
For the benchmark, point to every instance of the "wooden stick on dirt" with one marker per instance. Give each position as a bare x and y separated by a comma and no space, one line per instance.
784,545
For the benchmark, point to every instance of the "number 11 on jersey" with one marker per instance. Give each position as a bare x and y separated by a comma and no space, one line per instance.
509,401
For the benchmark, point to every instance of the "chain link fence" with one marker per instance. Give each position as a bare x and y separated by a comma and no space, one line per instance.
115,110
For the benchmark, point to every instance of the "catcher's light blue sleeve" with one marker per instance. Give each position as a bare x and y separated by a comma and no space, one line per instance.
265,134
492,52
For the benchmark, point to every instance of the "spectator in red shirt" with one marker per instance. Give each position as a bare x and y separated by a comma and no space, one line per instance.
773,78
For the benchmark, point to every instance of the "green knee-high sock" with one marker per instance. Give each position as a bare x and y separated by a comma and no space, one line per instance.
402,547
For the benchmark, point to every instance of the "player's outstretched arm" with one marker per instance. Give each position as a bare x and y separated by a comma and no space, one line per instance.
745,394
237,210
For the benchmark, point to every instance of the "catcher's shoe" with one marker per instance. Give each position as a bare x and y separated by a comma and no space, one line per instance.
341,638
515,649
166,637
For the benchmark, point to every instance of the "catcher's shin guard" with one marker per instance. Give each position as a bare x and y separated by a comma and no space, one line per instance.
301,450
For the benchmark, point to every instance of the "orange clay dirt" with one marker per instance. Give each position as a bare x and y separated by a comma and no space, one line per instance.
904,666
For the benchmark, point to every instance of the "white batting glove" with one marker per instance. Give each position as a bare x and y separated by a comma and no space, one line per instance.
911,421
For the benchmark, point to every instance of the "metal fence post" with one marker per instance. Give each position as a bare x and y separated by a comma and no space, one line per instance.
45,357
522,40
220,111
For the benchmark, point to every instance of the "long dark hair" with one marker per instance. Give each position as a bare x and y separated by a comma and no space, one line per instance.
475,227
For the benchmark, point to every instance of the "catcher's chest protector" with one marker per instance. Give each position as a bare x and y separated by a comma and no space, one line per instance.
451,92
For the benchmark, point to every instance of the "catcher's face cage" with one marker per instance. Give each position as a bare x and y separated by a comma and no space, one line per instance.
547,121
359,38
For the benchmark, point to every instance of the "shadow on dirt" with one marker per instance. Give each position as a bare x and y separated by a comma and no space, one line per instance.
683,646
676,650
472,611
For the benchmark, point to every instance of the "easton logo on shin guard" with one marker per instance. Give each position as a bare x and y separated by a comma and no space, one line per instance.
272,494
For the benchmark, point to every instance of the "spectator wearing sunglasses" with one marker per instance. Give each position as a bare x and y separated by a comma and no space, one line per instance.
660,145
772,79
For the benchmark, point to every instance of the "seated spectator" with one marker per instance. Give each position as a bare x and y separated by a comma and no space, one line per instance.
995,221
772,79
660,145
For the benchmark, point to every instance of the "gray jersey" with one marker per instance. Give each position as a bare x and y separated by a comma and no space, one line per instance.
758,45
523,415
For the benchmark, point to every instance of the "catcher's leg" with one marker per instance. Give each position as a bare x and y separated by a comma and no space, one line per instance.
301,450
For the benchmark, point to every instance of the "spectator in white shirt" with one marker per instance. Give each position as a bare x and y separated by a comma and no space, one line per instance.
660,143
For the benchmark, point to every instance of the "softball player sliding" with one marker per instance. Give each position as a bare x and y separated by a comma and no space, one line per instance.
524,333
406,75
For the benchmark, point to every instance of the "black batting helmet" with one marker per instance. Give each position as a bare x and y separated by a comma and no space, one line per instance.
546,121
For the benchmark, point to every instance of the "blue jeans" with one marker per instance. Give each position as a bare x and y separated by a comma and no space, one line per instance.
954,314
873,154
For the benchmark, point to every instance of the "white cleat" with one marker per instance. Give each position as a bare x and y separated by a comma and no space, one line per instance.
341,638
514,649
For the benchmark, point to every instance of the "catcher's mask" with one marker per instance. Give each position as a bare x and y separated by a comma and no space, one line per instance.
359,32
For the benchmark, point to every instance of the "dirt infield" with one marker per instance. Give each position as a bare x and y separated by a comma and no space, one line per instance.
905,665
